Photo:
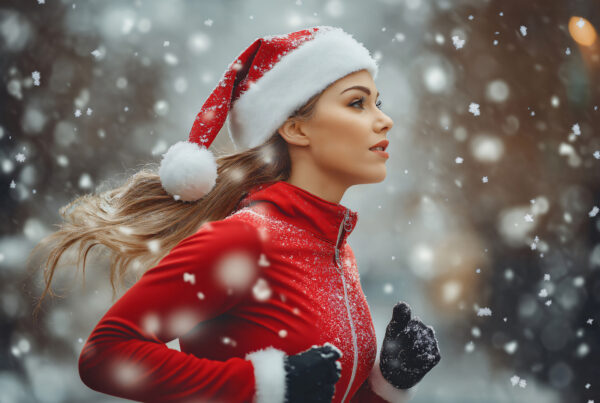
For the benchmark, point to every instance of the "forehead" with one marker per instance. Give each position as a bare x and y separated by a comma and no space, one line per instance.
361,77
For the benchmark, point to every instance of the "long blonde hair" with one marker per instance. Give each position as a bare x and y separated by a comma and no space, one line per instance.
139,222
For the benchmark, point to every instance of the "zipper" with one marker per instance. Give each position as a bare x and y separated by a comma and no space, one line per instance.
339,267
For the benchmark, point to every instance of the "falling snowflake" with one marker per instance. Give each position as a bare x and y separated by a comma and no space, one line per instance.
200,295
96,53
594,211
261,290
457,42
511,347
77,113
41,1
153,245
580,23
189,278
13,184
549,302
469,347
543,293
36,78
484,179
568,51
20,157
88,111
471,17
516,380
458,160
282,333
528,218
546,277
474,108
166,43
523,29
590,321
597,154
208,23
576,129
484,312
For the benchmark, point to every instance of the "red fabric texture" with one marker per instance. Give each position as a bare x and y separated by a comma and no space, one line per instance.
286,290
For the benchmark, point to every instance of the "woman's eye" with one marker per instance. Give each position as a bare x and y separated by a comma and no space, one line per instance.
358,102
362,100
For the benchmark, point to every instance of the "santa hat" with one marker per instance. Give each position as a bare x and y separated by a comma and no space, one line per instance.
267,83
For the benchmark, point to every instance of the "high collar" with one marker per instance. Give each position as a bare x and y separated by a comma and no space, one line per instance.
306,210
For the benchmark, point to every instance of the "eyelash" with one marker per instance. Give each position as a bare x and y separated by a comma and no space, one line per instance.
362,100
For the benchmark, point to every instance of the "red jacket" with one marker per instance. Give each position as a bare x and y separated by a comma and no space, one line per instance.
240,293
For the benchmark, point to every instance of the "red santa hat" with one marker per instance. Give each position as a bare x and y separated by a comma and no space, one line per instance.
261,88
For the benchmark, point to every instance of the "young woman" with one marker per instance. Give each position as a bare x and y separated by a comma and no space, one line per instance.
255,279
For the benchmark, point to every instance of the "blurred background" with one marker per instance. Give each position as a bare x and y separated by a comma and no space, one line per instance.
487,223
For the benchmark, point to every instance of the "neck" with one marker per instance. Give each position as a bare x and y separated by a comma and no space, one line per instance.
324,188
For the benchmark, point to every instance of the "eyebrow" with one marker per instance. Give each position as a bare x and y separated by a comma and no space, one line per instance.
359,87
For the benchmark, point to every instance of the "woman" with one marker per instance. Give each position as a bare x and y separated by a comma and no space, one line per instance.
259,285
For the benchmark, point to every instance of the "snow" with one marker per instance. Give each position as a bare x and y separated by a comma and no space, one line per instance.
457,42
474,109
516,380
484,312
189,278
523,30
36,78
576,130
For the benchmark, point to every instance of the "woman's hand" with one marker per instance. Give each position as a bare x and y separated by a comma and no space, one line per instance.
311,375
409,349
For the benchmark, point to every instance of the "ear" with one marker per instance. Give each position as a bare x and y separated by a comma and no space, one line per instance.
292,132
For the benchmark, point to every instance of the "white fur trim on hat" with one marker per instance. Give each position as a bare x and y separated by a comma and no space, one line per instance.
300,74
269,375
188,171
386,390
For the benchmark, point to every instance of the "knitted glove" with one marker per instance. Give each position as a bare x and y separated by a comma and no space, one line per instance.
409,349
311,375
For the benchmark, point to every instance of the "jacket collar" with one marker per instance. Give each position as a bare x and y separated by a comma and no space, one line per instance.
305,210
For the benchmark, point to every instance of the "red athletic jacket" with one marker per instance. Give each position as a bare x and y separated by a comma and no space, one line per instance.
275,277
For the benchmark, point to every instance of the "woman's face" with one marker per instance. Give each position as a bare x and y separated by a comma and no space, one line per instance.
333,146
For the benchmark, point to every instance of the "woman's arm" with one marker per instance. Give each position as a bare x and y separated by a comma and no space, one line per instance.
126,354
377,390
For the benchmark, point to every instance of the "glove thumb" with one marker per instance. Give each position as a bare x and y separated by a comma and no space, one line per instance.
401,314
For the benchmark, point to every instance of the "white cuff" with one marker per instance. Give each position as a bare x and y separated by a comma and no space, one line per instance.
386,390
269,375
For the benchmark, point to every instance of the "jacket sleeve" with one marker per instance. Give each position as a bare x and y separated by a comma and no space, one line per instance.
376,389
202,277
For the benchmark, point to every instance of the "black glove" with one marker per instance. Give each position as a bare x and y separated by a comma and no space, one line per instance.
409,349
311,375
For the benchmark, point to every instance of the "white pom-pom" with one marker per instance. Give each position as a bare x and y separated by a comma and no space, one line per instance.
188,171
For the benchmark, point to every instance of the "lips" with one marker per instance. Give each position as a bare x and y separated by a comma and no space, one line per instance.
382,143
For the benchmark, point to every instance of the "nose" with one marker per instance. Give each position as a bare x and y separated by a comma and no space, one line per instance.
384,122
